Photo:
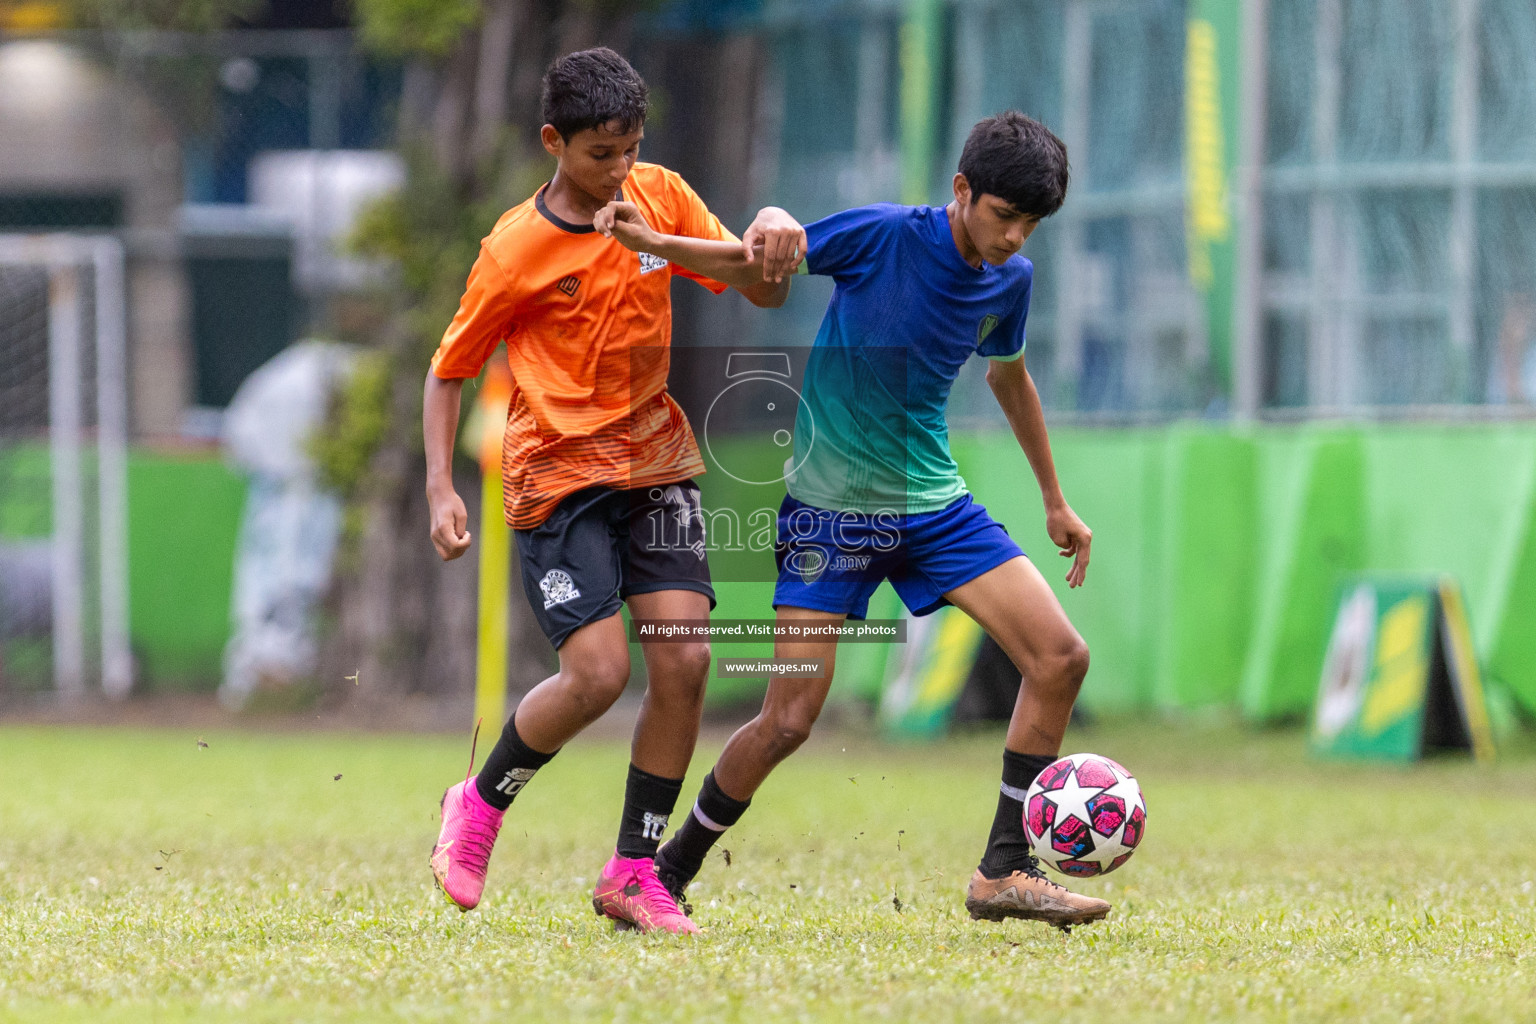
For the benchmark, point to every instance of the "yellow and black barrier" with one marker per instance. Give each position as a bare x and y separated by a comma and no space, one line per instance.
1400,679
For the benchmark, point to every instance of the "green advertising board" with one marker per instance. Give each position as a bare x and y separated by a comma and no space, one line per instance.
1400,678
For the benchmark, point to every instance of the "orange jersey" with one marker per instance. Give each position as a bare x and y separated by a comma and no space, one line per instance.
588,327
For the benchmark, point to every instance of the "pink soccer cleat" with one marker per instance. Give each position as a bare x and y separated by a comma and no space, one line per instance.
633,897
464,845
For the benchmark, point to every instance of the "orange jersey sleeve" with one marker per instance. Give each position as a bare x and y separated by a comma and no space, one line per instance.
588,327
690,218
485,317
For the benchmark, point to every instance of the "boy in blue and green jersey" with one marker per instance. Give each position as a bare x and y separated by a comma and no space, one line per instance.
875,495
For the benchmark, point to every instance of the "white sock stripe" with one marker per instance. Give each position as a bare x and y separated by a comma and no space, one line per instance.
706,820
1014,792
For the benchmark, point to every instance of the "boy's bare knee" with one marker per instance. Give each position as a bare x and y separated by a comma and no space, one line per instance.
785,732
1060,669
678,676
1069,665
685,662
1075,660
784,739
596,685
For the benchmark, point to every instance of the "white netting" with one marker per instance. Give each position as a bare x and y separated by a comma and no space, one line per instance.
62,506
26,614
1399,198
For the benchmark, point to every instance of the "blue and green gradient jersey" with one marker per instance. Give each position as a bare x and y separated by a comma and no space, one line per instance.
906,313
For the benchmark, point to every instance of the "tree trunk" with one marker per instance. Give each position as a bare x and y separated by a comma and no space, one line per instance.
497,37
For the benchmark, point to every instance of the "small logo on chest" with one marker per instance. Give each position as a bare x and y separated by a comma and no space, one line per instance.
569,284
985,327
649,262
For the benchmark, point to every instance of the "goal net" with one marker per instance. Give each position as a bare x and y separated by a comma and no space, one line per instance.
63,466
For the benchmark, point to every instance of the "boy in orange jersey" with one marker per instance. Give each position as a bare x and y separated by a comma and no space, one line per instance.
593,445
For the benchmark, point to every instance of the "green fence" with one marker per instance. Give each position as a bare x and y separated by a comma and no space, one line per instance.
183,520
1217,556
1218,553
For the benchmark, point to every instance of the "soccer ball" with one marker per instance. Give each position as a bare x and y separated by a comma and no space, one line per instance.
1085,815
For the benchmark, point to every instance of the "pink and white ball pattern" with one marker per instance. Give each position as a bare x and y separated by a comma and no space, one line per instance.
1085,815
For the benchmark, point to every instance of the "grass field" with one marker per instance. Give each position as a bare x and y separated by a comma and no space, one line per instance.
283,877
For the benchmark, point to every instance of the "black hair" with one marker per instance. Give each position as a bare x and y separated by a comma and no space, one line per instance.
1017,159
593,87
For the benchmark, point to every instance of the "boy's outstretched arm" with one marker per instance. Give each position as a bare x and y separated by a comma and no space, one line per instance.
781,240
439,424
1015,392
760,267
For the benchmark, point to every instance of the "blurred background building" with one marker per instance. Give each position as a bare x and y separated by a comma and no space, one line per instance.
1361,173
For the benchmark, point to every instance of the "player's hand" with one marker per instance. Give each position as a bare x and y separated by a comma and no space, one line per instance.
1072,535
778,240
450,525
625,222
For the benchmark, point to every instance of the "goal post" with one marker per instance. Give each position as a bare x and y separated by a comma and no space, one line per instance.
77,356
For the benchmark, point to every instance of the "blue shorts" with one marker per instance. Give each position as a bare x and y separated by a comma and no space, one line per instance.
833,561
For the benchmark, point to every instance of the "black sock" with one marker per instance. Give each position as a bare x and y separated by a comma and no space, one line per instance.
1008,847
648,802
712,814
508,767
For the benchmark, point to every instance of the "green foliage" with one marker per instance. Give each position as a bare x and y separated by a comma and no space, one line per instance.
283,877
184,15
431,235
431,232
415,27
355,426
186,89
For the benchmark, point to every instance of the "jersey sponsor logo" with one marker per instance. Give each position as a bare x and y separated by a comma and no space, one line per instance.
569,284
653,825
558,588
515,780
649,262
985,328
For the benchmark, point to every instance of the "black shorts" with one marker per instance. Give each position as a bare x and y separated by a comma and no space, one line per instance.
601,545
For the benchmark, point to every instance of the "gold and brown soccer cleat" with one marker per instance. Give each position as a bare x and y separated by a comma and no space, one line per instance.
1031,896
